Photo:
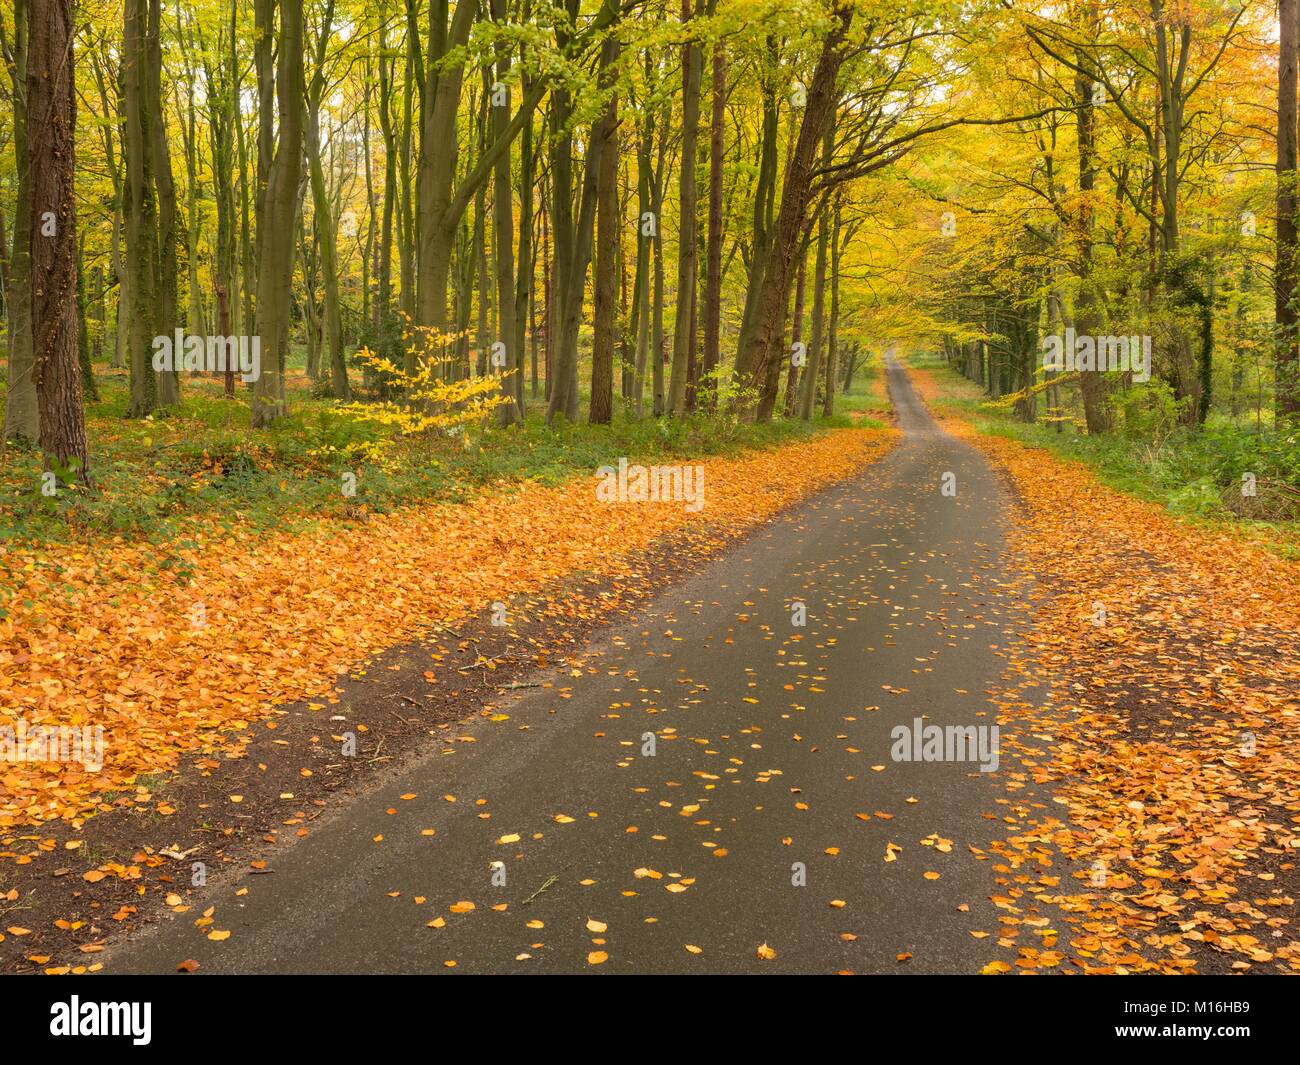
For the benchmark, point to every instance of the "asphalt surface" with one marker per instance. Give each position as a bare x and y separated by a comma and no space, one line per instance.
771,740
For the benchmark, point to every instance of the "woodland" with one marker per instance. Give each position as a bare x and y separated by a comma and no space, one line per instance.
701,223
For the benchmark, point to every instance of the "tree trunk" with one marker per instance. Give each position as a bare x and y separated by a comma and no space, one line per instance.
1092,385
657,319
276,226
51,147
644,253
753,361
324,221
573,234
688,196
485,338
138,211
764,206
384,254
223,326
808,391
223,112
833,332
549,273
4,252
523,300
1287,366
89,389
242,302
796,337
22,409
713,263
406,215
194,317
503,216
606,277
165,264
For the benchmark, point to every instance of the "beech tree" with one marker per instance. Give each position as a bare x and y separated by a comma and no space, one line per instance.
51,154
670,194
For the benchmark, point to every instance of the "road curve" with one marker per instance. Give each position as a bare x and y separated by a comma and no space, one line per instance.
769,757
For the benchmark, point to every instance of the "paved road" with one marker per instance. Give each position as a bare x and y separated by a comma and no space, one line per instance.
769,745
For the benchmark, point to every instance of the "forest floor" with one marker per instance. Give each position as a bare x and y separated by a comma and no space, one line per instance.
244,662
173,476
1144,816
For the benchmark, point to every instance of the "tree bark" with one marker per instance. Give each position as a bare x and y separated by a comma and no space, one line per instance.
1092,385
644,254
753,361
384,254
51,147
606,277
713,263
89,389
139,211
763,210
808,389
796,336
527,264
573,234
406,212
503,216
222,112
657,316
1287,365
276,226
688,196
166,285
833,332
324,221
22,409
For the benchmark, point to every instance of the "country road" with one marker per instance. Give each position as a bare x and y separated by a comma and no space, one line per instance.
772,747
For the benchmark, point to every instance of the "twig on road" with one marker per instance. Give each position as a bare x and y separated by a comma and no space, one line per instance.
549,881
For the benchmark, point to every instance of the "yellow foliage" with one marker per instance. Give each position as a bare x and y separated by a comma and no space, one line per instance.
428,402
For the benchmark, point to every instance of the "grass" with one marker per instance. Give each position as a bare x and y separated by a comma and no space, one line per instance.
866,403
156,477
